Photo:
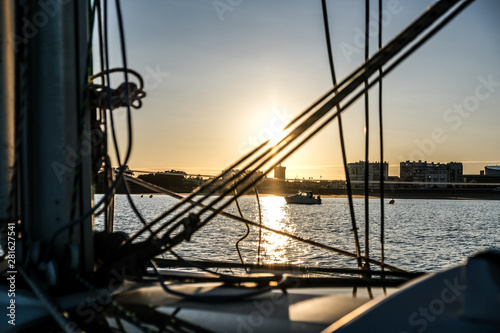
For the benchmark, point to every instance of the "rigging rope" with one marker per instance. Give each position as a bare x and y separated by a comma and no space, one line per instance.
381,141
394,47
121,169
342,144
367,146
110,201
201,189
256,224
242,237
81,113
342,141
260,223
215,298
343,90
119,96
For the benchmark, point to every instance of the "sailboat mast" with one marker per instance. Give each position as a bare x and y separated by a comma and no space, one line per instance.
56,136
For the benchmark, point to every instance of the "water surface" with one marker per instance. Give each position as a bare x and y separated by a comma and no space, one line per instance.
420,234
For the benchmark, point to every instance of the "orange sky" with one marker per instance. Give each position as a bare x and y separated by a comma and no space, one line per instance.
220,83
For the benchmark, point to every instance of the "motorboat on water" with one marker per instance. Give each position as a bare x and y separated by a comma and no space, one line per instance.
303,197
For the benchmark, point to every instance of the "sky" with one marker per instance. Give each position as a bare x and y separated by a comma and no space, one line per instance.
224,75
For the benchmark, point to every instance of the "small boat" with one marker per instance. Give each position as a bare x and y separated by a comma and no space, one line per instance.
303,197
392,202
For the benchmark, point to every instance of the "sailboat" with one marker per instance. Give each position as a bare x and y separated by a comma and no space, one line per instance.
59,274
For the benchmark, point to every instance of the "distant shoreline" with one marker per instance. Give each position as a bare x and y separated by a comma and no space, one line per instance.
344,196
456,193
455,196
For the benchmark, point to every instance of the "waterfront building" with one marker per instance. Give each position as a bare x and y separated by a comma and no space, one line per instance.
492,170
435,174
280,172
357,171
490,175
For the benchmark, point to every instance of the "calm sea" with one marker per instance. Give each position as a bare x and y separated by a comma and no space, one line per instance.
424,235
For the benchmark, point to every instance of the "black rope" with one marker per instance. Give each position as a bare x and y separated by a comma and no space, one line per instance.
255,224
109,200
381,140
367,146
342,140
189,199
367,134
371,66
164,263
260,223
190,263
82,97
392,49
342,145
432,15
107,71
352,82
110,191
214,298
242,237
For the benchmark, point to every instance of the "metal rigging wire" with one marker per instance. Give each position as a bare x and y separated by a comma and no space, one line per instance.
381,141
189,200
367,146
348,86
256,224
371,67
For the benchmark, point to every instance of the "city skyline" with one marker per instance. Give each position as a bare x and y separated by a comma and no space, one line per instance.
221,79
284,170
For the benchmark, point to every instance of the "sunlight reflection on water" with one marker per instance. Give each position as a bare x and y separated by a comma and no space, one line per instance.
420,234
275,216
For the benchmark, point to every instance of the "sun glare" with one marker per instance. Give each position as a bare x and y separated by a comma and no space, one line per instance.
277,137
274,246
